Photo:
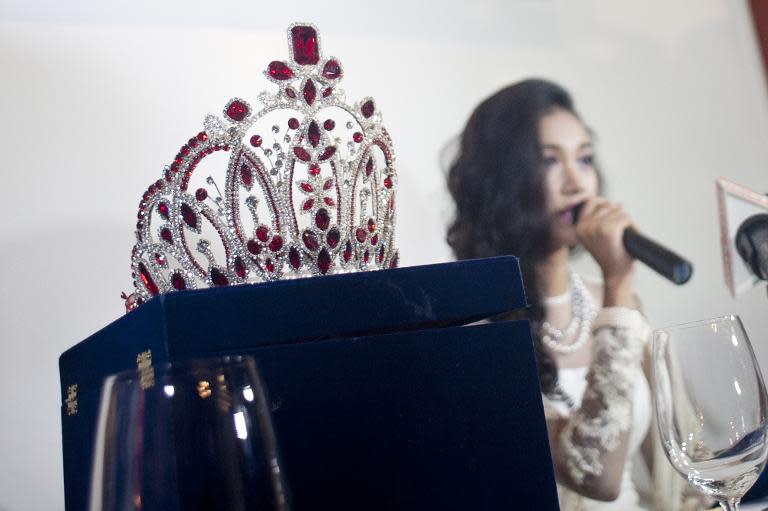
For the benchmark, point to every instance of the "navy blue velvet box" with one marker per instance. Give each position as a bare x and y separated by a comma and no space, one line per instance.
458,420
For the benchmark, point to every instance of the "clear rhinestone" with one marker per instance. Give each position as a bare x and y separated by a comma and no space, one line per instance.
349,125
276,147
267,152
287,139
279,163
210,180
275,129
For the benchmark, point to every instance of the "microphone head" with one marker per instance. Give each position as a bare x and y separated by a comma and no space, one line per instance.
743,215
752,244
577,212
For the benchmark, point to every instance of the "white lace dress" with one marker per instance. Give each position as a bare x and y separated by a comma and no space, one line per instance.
619,381
573,382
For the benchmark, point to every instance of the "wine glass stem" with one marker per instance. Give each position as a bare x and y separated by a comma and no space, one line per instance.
730,504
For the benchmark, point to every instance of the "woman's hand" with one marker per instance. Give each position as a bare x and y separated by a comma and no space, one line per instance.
600,229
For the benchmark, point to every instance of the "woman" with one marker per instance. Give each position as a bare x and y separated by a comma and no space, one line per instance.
525,182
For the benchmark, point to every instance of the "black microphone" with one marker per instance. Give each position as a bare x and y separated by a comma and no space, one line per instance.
657,257
654,255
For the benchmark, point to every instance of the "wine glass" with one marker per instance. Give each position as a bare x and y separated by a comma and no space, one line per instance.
192,436
711,406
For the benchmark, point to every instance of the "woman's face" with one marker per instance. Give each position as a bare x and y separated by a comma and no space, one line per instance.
571,177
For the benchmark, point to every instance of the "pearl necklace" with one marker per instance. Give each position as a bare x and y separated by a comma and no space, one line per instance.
583,312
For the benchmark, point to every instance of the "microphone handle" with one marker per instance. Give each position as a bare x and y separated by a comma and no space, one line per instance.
658,258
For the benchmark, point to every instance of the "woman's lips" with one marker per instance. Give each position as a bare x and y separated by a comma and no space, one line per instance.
566,216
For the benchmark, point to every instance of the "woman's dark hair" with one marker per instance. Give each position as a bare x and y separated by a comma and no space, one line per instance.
497,184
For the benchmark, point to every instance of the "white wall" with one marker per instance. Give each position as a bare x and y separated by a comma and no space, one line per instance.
95,98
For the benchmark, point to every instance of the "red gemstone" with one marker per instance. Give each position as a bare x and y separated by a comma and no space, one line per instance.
371,224
329,124
270,265
192,142
290,92
388,182
310,240
256,141
218,278
276,243
310,92
329,202
279,70
322,219
239,267
324,261
333,237
331,70
380,257
328,183
237,111
301,153
185,150
305,48
294,258
327,153
189,216
367,108
369,167
202,136
178,283
366,257
253,247
163,209
246,176
146,278
201,194
313,134
165,233
314,169
360,234
357,137
327,92
160,259
375,239
347,255
308,204
293,123
262,233
306,187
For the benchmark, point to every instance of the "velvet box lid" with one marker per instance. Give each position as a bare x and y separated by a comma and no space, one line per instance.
459,420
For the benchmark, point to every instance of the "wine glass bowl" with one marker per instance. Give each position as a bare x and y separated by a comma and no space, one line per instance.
711,406
194,435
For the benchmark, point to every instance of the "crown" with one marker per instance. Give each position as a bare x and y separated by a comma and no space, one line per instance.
308,187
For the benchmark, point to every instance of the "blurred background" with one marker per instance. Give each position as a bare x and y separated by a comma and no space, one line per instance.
95,97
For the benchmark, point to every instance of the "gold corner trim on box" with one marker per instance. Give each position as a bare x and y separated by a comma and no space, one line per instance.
71,401
146,371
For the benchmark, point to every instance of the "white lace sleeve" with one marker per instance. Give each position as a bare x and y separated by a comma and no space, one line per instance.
619,337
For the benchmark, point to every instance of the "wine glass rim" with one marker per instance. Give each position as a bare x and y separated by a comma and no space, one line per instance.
699,322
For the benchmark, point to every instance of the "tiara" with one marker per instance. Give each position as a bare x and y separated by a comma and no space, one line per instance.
309,187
